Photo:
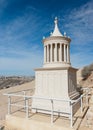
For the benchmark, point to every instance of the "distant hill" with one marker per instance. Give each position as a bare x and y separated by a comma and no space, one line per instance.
85,76
6,82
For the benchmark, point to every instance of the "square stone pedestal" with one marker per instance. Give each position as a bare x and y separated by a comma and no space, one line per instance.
57,83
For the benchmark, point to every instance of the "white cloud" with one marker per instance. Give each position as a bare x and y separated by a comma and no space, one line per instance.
20,49
80,23
80,59
21,65
19,52
20,33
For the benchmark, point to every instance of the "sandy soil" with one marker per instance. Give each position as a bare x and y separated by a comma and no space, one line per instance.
4,100
30,87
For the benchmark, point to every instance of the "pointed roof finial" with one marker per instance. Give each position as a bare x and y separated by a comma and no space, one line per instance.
64,34
56,20
56,31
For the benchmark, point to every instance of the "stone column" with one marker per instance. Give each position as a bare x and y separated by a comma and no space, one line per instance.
53,56
55,52
60,53
44,54
51,53
68,54
64,53
47,53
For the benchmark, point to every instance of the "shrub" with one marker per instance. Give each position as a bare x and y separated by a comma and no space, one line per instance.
87,71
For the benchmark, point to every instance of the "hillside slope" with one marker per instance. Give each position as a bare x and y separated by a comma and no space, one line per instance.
86,81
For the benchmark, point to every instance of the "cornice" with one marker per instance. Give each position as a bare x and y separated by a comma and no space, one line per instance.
56,38
55,68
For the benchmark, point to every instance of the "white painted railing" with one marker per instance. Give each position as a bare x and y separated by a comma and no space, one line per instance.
27,107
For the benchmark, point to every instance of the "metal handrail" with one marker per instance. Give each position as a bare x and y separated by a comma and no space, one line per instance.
26,106
36,97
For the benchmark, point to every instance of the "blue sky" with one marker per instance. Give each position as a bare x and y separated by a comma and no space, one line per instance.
23,23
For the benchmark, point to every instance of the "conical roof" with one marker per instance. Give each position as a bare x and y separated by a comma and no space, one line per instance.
56,31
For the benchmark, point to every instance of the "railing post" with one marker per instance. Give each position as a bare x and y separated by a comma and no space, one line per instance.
9,105
86,97
71,116
81,104
27,108
51,112
24,100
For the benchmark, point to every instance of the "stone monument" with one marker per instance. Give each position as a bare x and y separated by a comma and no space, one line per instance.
56,79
